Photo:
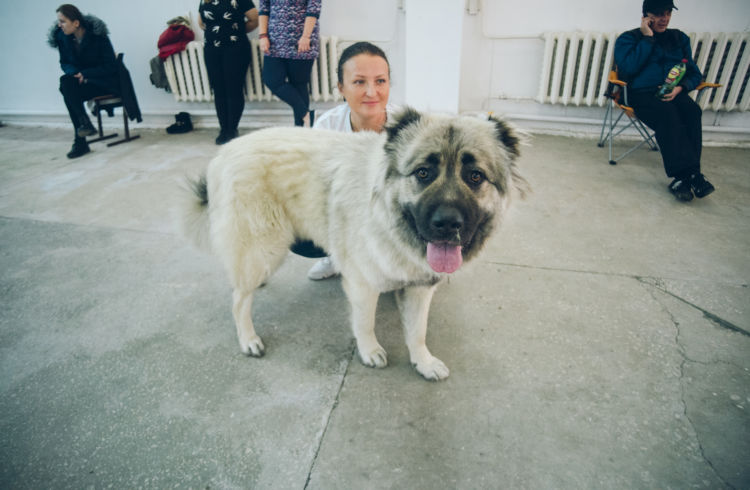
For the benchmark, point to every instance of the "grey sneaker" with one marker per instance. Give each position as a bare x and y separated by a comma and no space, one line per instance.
323,269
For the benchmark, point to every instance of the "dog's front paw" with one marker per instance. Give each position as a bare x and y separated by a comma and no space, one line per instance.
253,347
432,369
374,357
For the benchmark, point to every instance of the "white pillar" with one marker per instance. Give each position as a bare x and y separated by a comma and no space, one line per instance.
433,31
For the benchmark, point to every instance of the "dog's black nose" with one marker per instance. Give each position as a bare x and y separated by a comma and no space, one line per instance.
446,221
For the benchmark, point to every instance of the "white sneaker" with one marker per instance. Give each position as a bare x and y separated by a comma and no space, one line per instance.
323,269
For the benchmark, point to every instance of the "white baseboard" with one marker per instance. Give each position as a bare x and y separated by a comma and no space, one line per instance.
581,125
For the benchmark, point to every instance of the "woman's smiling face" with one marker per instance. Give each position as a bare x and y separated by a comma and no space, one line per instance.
366,85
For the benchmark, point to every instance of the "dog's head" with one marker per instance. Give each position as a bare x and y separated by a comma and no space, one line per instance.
449,179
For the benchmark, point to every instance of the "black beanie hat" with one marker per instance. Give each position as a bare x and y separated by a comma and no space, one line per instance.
657,6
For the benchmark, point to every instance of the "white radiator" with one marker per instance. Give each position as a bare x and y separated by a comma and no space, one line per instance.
576,65
186,73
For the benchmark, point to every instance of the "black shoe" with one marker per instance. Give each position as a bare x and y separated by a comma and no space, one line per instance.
701,187
681,190
80,148
182,124
86,128
312,118
226,137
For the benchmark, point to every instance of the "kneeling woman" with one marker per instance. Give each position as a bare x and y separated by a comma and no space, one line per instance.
365,82
89,65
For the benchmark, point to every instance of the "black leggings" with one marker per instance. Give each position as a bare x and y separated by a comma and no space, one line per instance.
288,80
677,125
75,94
227,70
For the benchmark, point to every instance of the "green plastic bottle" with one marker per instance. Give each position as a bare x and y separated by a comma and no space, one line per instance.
673,78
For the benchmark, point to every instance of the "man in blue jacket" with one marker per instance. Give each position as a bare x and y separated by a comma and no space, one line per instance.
644,57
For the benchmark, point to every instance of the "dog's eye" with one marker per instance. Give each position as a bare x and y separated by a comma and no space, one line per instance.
476,177
422,174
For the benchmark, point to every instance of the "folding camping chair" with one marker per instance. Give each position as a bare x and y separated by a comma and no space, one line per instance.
617,93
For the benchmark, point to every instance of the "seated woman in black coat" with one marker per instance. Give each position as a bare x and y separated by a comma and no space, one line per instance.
90,66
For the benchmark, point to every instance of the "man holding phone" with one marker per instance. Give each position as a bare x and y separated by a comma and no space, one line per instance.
644,57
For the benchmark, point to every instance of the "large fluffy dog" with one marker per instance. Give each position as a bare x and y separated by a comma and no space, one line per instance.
396,211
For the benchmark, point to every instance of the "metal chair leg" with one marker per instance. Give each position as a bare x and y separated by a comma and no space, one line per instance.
101,136
127,137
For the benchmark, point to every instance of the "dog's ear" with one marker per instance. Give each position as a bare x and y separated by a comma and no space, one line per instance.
402,119
507,136
511,142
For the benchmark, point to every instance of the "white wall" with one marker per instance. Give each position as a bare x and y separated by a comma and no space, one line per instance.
30,79
433,34
503,51
493,53
29,83
502,16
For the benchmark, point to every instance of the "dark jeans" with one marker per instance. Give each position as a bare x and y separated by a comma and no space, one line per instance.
288,80
677,125
308,249
227,70
75,94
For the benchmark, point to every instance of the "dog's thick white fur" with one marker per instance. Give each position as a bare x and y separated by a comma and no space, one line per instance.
357,196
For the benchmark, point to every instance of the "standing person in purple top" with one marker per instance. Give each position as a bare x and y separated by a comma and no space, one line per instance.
289,39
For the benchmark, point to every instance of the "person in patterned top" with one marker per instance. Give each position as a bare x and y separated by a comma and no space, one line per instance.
290,41
226,51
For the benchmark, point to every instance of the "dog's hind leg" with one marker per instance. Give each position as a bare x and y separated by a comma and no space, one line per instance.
364,302
252,269
414,305
250,343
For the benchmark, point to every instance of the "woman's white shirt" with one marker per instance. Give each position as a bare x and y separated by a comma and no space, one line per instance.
340,118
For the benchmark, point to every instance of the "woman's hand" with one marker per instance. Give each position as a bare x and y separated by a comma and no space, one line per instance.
265,45
671,95
303,45
80,78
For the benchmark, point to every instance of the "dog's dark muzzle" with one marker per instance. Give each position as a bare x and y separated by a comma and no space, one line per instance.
446,224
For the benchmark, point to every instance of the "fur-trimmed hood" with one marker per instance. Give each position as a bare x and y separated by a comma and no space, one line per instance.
91,23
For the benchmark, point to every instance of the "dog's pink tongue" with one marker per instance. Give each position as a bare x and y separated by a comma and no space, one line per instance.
443,257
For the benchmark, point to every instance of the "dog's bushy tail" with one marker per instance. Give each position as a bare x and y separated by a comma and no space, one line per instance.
194,222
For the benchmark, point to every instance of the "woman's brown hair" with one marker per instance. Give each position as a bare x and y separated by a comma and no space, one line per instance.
70,12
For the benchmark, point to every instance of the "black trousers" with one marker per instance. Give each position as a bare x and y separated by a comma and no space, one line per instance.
75,94
289,80
677,125
227,70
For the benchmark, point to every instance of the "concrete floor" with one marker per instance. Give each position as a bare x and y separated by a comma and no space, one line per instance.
602,341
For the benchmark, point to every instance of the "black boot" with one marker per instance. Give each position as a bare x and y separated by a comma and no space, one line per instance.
85,128
80,148
226,136
182,124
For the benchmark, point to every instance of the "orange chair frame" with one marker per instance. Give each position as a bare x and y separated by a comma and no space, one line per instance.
617,93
